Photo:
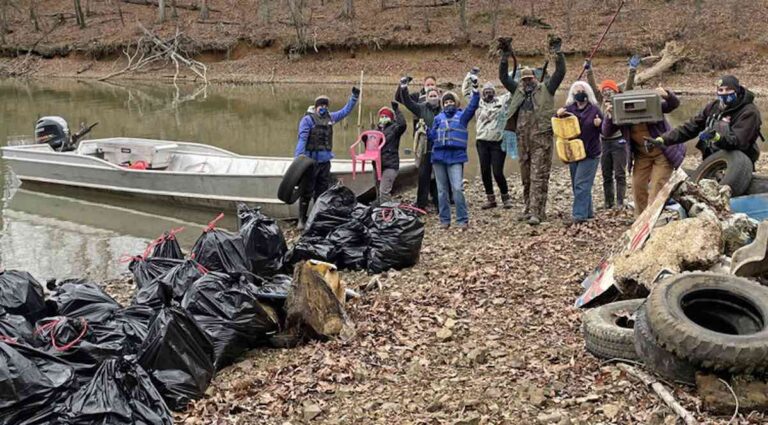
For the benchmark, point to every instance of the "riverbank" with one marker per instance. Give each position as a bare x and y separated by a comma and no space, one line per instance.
481,330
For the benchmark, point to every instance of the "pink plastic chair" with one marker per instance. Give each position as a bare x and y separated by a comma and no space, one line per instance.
374,141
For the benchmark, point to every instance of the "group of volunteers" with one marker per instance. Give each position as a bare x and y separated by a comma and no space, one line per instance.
649,151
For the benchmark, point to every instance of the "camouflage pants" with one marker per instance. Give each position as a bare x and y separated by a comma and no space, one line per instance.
535,153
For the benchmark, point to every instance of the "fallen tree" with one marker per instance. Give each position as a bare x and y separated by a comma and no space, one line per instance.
672,54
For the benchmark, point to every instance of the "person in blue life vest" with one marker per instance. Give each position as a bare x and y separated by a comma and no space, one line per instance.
316,141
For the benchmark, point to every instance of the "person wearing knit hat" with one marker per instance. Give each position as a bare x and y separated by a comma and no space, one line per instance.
392,123
731,122
449,153
316,141
615,152
533,105
492,114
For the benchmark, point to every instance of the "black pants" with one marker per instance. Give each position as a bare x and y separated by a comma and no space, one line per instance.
614,167
427,186
492,166
320,183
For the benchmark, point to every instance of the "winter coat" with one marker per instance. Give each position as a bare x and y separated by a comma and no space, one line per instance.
737,125
491,116
393,131
305,127
449,134
543,95
420,109
590,134
674,154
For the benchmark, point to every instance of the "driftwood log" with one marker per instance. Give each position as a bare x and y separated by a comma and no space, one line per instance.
672,54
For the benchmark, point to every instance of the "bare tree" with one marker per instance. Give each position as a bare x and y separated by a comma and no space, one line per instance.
203,9
264,11
79,14
174,11
299,22
4,5
33,14
463,18
495,18
567,7
347,9
161,10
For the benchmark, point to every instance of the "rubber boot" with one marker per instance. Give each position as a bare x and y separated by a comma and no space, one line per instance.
490,203
506,201
303,209
534,221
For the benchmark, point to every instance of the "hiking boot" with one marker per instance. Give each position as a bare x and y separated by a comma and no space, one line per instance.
525,215
490,203
303,209
534,221
445,226
506,201
462,226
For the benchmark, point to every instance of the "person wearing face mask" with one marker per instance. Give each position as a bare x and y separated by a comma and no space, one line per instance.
449,153
492,114
651,166
533,104
582,103
426,111
730,122
316,141
392,124
615,150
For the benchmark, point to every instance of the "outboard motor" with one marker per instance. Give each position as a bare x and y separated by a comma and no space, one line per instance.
52,130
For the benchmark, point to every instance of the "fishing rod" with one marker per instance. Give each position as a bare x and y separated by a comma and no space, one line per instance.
599,42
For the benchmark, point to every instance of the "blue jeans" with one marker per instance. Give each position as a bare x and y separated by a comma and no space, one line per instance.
450,177
582,177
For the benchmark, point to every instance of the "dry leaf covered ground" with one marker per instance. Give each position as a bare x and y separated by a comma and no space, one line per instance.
482,330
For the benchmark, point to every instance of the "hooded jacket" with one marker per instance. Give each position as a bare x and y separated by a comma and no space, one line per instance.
306,125
449,134
737,125
393,131
491,116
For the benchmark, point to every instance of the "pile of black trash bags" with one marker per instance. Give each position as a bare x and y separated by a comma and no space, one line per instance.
76,356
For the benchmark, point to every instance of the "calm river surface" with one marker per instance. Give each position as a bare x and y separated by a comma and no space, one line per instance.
51,235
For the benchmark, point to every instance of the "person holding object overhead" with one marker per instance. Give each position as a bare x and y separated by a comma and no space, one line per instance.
533,103
392,124
449,153
316,141
583,105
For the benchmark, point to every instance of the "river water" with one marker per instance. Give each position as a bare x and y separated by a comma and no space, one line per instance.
52,235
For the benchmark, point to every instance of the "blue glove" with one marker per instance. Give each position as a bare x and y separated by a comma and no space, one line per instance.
634,62
475,71
710,136
587,64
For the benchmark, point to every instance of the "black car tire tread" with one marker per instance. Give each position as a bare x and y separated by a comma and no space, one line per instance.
738,174
701,346
295,179
657,359
603,337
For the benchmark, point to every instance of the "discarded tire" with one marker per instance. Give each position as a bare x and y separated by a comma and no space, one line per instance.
732,168
608,330
665,363
296,179
715,321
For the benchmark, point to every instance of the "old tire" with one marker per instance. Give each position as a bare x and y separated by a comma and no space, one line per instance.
732,168
609,335
664,363
296,179
712,320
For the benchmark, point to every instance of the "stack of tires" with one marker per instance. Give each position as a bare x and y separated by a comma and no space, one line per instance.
690,322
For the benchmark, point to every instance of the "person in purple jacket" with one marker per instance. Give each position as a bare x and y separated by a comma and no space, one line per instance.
316,141
582,103
651,166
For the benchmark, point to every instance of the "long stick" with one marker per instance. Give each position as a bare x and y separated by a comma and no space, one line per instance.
599,42
360,105
662,392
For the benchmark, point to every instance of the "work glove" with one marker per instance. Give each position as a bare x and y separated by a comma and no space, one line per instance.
474,71
634,62
555,43
395,105
473,79
710,136
355,91
587,64
651,142
505,45
404,82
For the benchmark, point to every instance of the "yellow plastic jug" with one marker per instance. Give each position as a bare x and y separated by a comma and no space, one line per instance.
566,128
570,150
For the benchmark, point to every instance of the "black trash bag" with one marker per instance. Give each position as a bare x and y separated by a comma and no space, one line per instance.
16,328
21,294
276,288
265,245
178,356
313,248
77,298
228,310
170,286
145,270
32,382
154,295
396,237
120,393
351,241
128,328
221,251
166,245
75,341
332,208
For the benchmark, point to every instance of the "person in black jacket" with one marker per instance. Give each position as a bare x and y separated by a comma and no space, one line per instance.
732,122
392,124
